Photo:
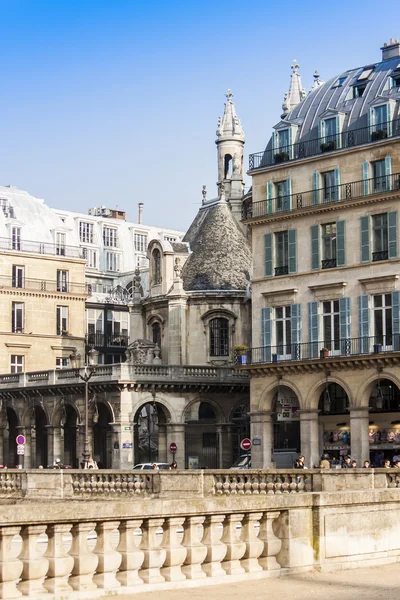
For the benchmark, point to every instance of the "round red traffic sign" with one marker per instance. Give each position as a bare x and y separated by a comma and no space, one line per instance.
173,447
20,439
245,444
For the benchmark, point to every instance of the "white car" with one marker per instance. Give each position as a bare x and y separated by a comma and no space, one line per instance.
149,466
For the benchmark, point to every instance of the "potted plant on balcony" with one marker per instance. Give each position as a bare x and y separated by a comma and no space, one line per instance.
328,146
379,134
281,157
64,332
377,348
324,353
241,353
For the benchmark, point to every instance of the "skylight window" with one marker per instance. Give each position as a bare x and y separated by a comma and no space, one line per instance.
339,82
366,73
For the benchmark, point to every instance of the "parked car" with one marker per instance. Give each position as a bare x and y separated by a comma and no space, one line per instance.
149,466
243,462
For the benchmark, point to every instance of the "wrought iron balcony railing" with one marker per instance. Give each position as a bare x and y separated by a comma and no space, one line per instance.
100,340
322,196
335,143
284,270
320,350
32,247
382,255
328,263
42,285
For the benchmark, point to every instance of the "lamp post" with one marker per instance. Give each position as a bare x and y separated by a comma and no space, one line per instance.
89,369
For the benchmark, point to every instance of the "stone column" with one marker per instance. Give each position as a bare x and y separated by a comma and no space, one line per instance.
162,443
262,432
2,430
176,433
177,307
50,446
309,437
272,544
254,546
359,427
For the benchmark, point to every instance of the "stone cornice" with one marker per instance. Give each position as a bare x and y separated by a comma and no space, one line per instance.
21,292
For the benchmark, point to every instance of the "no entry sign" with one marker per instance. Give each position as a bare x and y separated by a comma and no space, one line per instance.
245,444
173,447
20,439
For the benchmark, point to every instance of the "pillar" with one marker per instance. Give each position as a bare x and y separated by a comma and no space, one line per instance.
309,437
262,435
162,443
359,427
176,433
50,447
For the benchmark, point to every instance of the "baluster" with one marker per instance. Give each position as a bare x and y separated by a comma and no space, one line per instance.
10,566
176,552
109,558
196,551
272,544
254,546
132,555
263,485
216,549
278,484
295,482
85,561
60,563
285,484
235,547
35,565
154,555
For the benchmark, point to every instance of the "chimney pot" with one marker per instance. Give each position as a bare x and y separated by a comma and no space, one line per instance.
140,219
391,50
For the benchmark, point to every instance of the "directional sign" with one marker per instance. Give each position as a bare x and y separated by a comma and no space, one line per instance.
20,449
245,444
173,447
20,440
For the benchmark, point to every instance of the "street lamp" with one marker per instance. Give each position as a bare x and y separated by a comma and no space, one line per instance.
85,376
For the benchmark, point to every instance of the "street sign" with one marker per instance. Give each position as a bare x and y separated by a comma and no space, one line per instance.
245,444
20,439
20,449
173,447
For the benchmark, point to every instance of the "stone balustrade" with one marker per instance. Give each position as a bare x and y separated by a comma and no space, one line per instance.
285,482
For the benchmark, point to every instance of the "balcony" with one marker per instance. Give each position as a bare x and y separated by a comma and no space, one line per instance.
42,285
347,139
382,255
321,197
101,340
284,270
349,347
329,263
31,247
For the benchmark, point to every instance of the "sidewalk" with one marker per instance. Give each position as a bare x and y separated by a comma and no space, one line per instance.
375,583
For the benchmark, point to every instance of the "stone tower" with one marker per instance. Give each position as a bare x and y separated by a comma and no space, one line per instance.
230,143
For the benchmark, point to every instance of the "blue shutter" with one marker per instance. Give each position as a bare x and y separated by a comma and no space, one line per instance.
269,197
313,351
290,141
315,188
340,244
295,324
338,131
370,120
365,174
363,323
266,334
392,234
365,240
389,118
388,172
396,320
314,247
268,255
321,130
292,253
344,325
288,201
337,184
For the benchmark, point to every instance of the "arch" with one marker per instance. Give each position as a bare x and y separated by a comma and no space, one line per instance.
102,433
268,396
155,317
217,409
314,394
227,166
168,409
218,312
333,400
150,420
39,436
55,422
10,449
364,392
27,415
204,438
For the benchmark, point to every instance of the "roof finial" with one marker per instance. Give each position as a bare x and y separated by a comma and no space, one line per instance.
229,95
295,66
296,91
229,125
317,81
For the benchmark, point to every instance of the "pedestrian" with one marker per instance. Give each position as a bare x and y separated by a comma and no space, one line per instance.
173,466
154,466
366,464
386,464
324,464
299,463
347,462
91,464
354,464
397,465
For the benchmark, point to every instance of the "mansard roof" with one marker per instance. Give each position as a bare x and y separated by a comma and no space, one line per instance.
220,258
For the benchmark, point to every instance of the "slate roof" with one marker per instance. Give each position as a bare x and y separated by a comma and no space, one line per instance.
221,257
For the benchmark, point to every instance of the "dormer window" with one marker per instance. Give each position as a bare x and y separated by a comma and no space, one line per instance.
358,90
6,208
396,80
380,121
283,144
329,133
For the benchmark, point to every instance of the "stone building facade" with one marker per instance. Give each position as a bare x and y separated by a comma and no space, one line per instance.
326,297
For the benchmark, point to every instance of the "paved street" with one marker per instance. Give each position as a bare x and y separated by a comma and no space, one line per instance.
369,584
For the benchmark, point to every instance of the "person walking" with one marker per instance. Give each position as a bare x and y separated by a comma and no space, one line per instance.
299,463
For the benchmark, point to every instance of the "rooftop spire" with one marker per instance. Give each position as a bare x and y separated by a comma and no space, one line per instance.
317,81
296,91
229,126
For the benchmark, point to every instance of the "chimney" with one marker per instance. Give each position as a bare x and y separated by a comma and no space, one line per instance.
140,221
391,50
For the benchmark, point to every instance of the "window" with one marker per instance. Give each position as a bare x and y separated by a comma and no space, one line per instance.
17,363
17,317
156,333
95,326
283,140
282,198
112,261
16,238
156,266
86,232
358,90
169,239
62,363
18,275
379,180
91,257
379,119
62,281
329,245
60,244
140,242
4,205
380,237
382,308
330,129
339,82
330,313
366,73
283,330
330,190
110,237
219,337
62,320
281,253
117,328
396,80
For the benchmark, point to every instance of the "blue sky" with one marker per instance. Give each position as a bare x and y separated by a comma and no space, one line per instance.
116,102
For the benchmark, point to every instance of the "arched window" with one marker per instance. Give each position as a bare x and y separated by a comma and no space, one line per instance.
227,166
219,337
156,266
156,331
